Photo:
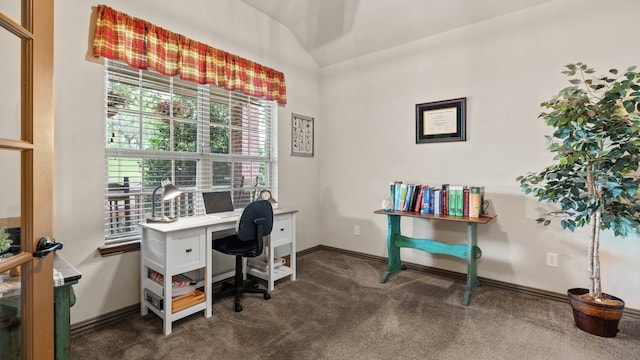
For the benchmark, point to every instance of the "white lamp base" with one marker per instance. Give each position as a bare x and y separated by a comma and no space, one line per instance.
161,219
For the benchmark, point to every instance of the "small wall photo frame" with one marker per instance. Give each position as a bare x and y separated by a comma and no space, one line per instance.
441,121
301,135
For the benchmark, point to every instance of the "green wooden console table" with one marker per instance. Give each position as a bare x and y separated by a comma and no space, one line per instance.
469,251
64,299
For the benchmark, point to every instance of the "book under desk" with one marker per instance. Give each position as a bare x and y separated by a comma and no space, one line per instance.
469,251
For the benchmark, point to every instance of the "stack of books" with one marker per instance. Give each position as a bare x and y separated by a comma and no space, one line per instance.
451,200
181,284
262,264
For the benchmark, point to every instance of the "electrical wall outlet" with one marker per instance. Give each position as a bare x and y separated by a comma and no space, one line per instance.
356,230
552,259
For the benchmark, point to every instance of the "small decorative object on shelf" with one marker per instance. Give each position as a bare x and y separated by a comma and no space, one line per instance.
266,195
387,203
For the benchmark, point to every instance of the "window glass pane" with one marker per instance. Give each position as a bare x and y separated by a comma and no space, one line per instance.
156,170
10,91
10,206
12,9
220,139
185,174
221,173
10,313
185,136
123,130
219,113
125,198
155,134
10,280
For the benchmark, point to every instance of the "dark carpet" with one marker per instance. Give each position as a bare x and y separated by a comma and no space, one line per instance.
338,309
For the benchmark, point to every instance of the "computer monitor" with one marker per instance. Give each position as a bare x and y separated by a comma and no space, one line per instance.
217,201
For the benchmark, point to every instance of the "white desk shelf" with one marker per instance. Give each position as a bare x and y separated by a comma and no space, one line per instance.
283,234
186,245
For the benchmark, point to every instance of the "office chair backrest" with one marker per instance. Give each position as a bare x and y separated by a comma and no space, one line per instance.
257,210
217,201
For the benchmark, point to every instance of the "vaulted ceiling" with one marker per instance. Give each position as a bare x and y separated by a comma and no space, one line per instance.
336,30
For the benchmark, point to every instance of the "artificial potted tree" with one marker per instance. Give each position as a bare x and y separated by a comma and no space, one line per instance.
594,179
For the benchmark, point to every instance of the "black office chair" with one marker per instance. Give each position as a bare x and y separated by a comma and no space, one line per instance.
255,222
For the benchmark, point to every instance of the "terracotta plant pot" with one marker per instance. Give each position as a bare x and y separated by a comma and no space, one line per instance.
595,318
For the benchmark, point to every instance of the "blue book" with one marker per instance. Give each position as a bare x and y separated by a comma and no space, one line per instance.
408,196
437,201
396,196
432,197
426,204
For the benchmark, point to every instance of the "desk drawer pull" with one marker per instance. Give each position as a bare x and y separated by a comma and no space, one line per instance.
281,229
188,250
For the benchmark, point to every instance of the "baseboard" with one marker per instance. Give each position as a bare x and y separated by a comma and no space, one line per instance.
103,320
118,315
628,312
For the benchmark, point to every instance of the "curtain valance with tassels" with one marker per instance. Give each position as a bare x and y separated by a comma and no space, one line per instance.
143,45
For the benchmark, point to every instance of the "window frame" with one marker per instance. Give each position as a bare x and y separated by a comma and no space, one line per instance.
251,128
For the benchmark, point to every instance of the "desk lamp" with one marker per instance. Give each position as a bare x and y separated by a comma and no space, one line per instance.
169,191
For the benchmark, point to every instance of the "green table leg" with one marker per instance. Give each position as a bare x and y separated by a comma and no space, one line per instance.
65,298
469,252
473,254
394,250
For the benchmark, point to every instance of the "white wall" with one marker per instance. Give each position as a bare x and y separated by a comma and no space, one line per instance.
111,283
365,120
505,67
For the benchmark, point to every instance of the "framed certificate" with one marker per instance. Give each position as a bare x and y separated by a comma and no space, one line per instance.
441,121
301,135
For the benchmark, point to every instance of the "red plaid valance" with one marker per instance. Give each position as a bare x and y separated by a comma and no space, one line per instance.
143,45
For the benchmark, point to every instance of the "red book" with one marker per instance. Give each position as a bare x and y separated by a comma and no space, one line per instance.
465,201
445,190
419,199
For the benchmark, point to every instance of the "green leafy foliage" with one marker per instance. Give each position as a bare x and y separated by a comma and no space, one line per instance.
595,143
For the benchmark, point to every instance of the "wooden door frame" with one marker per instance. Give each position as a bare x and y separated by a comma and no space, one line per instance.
40,272
37,152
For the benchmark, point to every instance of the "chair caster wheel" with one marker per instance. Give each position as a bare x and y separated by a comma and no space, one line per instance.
267,296
237,307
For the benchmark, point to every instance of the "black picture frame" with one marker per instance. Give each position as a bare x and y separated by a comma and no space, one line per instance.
441,121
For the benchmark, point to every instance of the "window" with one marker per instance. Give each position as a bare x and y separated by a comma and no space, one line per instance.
200,137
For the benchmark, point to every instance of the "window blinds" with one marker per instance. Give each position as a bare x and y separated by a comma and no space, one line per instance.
200,137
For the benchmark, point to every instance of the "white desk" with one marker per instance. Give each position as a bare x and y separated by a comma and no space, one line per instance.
185,245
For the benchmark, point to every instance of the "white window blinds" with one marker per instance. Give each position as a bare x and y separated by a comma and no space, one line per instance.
200,137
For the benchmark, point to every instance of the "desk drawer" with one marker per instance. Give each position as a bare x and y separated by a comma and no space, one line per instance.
281,233
186,251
